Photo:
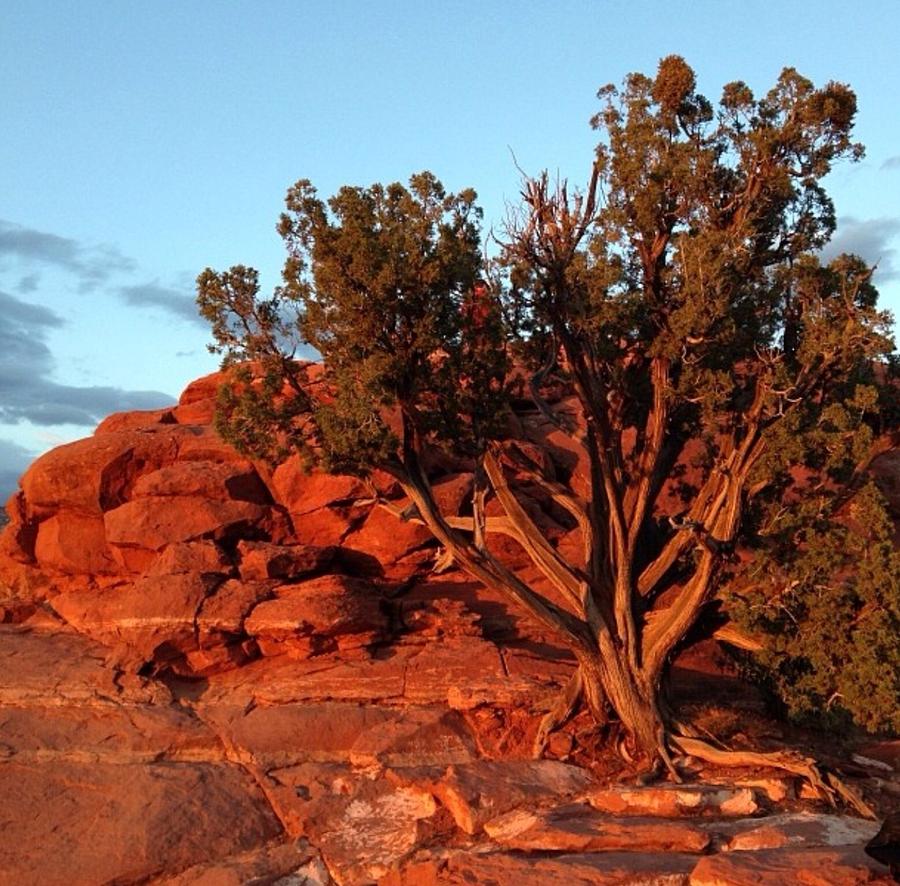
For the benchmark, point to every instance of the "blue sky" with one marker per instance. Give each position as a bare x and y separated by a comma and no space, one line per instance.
143,142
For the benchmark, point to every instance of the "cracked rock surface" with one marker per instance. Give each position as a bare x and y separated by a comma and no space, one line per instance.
211,673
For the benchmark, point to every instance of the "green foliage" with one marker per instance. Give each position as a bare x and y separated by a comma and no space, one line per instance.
827,598
376,281
683,297
703,254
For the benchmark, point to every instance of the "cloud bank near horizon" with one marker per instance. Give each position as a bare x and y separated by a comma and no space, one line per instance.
27,390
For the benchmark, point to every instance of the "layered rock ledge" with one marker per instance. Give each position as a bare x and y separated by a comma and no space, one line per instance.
212,673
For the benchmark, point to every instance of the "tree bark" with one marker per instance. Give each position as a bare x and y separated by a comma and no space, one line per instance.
636,704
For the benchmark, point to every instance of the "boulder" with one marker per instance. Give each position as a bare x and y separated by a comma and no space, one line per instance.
204,388
204,556
223,612
135,420
203,443
197,403
260,560
75,544
387,537
153,615
96,474
326,607
152,523
232,480
303,491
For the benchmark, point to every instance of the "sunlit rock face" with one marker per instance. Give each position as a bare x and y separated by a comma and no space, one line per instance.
213,672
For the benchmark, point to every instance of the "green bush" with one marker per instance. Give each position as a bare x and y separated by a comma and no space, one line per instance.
828,606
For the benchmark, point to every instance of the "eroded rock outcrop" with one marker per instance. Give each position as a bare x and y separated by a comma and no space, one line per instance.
215,673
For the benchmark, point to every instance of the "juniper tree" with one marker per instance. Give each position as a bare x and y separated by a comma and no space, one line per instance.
679,294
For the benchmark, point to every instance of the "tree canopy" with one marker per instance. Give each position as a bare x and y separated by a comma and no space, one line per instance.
681,297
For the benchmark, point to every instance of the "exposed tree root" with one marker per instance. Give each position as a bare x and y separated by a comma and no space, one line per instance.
666,758
826,784
562,711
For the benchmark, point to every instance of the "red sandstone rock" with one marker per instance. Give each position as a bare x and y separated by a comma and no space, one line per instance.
209,479
96,474
261,560
281,680
421,737
284,735
347,748
224,611
675,800
45,731
800,829
387,537
377,829
202,443
204,557
328,526
465,868
327,606
154,522
204,388
839,866
130,421
87,824
303,491
153,613
73,543
200,412
578,828
305,795
453,492
465,672
18,537
477,792
286,863
40,667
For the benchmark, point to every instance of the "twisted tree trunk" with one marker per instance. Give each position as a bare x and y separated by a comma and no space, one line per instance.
621,629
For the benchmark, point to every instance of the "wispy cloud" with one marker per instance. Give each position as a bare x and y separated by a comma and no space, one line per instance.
173,301
91,265
29,283
27,390
871,239
32,319
891,163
